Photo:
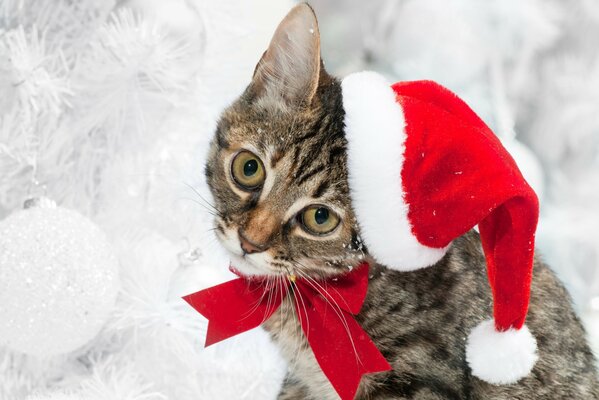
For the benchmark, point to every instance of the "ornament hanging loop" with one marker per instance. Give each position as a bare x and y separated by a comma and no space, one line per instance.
41,202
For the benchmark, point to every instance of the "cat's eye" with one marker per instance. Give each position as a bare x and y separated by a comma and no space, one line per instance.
318,220
247,170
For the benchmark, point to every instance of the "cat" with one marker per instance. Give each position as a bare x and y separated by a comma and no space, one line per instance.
277,171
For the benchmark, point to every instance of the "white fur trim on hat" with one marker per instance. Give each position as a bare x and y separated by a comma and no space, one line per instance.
375,133
500,358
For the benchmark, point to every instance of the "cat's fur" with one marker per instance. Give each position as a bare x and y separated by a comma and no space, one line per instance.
291,116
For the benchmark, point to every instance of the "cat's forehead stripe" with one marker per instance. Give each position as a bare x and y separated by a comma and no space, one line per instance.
276,156
321,189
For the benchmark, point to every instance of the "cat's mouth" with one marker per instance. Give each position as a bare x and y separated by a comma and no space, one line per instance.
251,265
247,264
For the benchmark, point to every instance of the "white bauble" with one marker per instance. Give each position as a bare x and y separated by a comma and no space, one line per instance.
58,280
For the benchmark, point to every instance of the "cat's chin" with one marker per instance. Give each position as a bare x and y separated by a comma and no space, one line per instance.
247,268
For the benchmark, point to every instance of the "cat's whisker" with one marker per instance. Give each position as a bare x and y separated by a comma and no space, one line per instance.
283,304
298,310
268,298
255,306
210,240
304,307
296,354
208,207
205,208
341,316
324,288
334,305
207,203
270,301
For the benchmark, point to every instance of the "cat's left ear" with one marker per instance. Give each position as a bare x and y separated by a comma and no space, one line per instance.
290,68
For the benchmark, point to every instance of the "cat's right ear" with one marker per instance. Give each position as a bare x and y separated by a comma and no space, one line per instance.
289,69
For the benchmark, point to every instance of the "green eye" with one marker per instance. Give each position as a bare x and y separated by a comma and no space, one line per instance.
247,170
319,220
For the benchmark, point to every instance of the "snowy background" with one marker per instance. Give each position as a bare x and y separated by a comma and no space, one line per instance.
107,108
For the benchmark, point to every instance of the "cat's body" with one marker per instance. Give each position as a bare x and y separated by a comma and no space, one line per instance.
277,170
420,320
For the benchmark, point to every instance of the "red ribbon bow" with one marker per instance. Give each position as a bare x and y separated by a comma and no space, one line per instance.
325,309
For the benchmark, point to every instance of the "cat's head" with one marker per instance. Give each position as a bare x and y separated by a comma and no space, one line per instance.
277,164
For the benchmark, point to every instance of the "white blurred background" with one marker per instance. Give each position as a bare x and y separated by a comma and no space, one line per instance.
107,108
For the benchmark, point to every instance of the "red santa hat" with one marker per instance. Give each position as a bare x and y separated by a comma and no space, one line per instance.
423,170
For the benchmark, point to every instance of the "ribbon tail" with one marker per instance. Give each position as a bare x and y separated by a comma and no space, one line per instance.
341,347
234,307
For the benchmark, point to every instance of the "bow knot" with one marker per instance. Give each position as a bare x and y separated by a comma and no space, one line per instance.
325,310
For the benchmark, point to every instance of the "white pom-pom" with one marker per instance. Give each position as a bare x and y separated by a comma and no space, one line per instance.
500,358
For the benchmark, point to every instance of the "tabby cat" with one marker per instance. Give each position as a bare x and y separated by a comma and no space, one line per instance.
277,171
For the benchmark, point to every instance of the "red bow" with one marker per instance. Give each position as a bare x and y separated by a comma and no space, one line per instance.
325,309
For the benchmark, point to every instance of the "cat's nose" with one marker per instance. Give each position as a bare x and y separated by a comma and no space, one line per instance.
247,246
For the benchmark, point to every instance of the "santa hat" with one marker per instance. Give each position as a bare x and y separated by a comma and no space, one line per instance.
423,170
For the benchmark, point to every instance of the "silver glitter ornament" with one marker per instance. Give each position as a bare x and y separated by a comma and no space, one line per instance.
58,279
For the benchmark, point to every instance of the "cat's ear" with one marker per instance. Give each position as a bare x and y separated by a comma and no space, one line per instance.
289,69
